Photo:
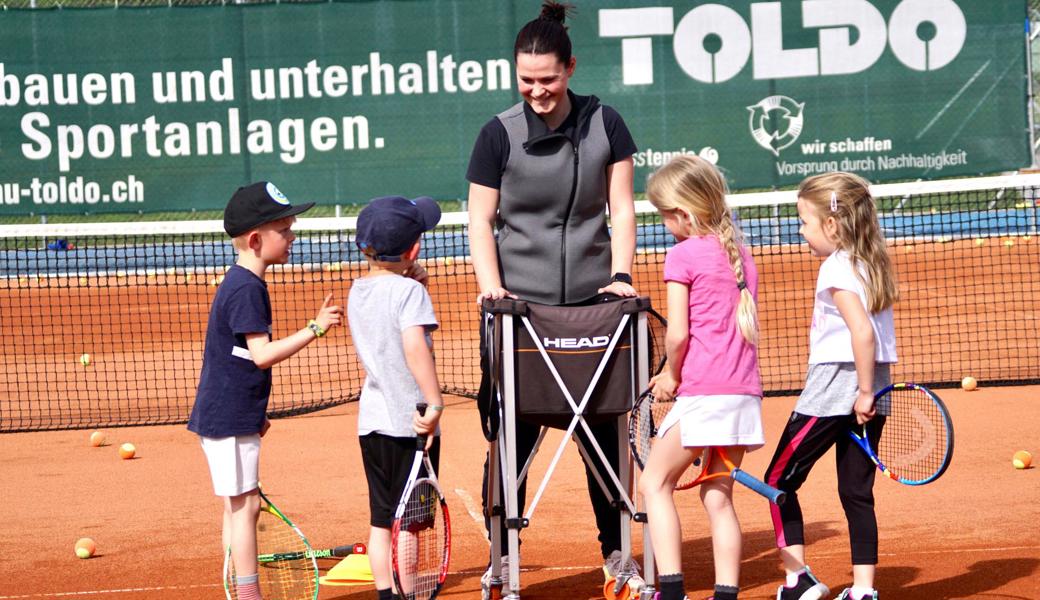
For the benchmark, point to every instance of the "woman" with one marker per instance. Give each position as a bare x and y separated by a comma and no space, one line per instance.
543,173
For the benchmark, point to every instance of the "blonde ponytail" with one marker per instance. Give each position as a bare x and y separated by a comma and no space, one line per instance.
747,310
694,186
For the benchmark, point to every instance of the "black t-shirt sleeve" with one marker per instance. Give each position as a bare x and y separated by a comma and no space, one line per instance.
621,143
490,154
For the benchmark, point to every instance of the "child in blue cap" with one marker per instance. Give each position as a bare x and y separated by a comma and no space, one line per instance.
391,317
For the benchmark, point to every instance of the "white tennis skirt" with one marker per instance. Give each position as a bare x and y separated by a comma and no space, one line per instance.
234,463
718,420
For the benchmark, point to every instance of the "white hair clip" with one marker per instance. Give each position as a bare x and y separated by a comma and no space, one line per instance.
834,202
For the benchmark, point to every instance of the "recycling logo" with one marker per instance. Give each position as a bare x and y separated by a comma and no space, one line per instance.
776,122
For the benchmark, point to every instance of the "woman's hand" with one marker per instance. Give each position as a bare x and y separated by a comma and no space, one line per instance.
494,293
864,407
619,288
663,385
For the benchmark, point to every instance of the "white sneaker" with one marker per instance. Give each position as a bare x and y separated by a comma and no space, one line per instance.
486,582
613,568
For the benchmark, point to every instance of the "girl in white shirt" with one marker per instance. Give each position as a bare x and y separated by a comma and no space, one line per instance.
852,344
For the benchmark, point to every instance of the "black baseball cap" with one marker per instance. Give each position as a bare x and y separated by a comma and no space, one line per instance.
391,225
255,204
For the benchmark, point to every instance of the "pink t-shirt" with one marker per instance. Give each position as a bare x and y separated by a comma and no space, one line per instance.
718,358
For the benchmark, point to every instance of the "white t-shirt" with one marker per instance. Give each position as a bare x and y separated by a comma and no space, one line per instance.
830,340
378,310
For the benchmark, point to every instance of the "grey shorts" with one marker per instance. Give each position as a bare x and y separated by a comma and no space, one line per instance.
831,388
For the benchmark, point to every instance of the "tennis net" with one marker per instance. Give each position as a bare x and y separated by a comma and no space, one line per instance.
104,324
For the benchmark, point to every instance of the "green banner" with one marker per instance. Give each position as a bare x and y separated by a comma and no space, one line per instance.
172,108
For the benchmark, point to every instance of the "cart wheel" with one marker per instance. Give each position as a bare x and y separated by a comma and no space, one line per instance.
608,591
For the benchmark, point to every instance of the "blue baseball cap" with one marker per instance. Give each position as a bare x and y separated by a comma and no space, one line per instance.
390,225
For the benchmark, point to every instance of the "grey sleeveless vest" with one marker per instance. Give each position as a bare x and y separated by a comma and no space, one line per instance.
553,244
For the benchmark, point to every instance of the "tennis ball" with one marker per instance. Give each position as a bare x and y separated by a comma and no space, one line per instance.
1022,459
97,439
448,261
1009,243
969,383
127,451
979,241
85,547
84,359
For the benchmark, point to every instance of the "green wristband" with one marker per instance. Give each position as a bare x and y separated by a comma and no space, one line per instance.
316,329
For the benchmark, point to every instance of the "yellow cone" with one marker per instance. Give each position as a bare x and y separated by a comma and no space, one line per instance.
352,570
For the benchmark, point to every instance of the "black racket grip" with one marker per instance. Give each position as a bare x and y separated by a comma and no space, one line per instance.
420,441
342,551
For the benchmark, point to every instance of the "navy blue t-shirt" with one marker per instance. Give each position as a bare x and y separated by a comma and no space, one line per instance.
233,391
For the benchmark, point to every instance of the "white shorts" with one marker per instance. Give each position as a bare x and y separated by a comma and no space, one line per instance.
718,420
234,463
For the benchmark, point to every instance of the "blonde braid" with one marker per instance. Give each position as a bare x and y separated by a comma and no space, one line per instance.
747,311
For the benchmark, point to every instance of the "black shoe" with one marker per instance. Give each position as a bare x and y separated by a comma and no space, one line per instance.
807,588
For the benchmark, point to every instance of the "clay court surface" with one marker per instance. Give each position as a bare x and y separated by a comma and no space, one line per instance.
972,534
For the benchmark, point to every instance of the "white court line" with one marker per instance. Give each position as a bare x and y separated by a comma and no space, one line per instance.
471,507
118,591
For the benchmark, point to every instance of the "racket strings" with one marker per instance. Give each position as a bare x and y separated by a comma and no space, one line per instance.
644,425
421,543
657,327
914,438
283,579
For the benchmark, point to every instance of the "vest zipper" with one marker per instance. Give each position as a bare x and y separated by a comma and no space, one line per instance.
566,218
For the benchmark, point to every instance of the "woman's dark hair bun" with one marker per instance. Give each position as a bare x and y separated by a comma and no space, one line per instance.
546,34
555,11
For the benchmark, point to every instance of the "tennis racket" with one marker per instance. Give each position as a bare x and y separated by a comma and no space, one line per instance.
648,412
293,577
420,538
643,425
916,443
337,552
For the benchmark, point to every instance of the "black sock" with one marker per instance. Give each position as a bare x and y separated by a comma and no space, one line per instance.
672,587
726,592
387,594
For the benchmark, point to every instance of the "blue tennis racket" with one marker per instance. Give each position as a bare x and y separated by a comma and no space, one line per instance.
916,441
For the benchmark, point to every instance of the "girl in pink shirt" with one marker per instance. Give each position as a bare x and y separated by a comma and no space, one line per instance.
712,368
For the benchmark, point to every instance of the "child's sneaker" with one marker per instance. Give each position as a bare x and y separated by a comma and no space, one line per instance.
485,580
612,569
846,594
807,588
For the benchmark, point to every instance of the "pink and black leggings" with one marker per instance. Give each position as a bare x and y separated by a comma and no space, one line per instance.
803,442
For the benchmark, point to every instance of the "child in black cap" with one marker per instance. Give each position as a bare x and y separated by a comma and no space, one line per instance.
231,402
391,317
